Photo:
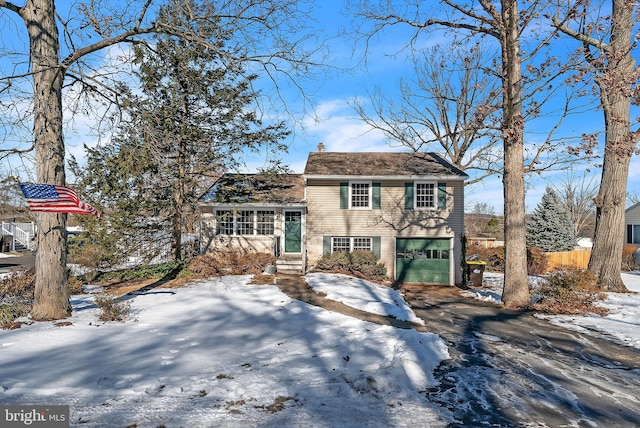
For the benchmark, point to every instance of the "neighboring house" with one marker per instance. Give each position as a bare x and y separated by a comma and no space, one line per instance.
482,239
408,208
632,222
17,236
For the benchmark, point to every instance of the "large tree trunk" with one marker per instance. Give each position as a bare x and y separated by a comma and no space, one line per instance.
615,83
516,288
606,254
51,290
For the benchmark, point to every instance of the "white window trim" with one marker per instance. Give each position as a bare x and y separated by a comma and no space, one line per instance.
217,217
435,195
251,224
273,222
235,212
351,238
370,196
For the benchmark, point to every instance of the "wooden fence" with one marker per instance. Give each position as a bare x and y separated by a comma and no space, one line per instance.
579,258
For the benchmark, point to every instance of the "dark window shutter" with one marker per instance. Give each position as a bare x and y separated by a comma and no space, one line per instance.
326,245
375,245
408,196
442,196
344,196
629,234
375,193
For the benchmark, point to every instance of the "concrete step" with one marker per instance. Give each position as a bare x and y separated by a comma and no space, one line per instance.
289,265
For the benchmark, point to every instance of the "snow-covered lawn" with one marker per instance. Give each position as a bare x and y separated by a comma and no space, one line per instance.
363,295
622,322
223,352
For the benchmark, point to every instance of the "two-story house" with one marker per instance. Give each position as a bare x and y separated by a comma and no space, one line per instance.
408,208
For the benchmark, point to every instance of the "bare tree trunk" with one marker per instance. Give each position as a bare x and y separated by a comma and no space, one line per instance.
178,197
606,254
51,290
179,185
615,88
516,288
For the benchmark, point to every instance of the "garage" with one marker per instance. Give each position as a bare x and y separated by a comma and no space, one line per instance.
422,260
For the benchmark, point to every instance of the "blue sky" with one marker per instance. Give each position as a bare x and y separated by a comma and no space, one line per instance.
336,123
340,129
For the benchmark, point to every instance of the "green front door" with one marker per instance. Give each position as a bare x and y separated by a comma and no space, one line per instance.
425,261
292,232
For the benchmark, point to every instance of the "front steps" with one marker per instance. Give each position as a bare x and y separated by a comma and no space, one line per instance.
289,264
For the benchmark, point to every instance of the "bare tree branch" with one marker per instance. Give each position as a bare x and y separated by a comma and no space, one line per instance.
609,41
271,34
455,110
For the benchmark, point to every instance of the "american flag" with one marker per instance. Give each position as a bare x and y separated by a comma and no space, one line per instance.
56,199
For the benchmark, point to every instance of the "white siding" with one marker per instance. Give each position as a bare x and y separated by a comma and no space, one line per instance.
632,217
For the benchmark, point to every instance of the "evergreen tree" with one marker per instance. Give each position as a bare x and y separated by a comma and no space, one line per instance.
195,118
55,61
549,227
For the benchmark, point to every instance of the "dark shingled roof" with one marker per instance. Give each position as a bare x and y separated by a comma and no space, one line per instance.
379,164
256,188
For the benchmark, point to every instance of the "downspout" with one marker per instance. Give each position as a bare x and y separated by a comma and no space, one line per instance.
304,240
304,235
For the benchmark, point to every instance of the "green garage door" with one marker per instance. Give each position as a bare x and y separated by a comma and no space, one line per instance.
421,260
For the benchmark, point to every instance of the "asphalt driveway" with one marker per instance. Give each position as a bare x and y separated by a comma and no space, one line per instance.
511,369
23,261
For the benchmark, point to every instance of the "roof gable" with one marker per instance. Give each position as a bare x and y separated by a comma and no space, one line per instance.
379,164
633,207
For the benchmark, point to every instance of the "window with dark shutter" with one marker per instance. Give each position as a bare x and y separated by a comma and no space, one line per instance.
344,196
408,196
375,196
442,196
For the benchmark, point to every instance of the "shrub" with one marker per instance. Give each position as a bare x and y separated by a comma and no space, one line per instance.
92,255
111,307
10,311
254,263
568,290
493,256
75,284
366,263
18,283
629,257
162,270
338,261
203,266
16,295
361,259
359,263
537,261
230,262
376,272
